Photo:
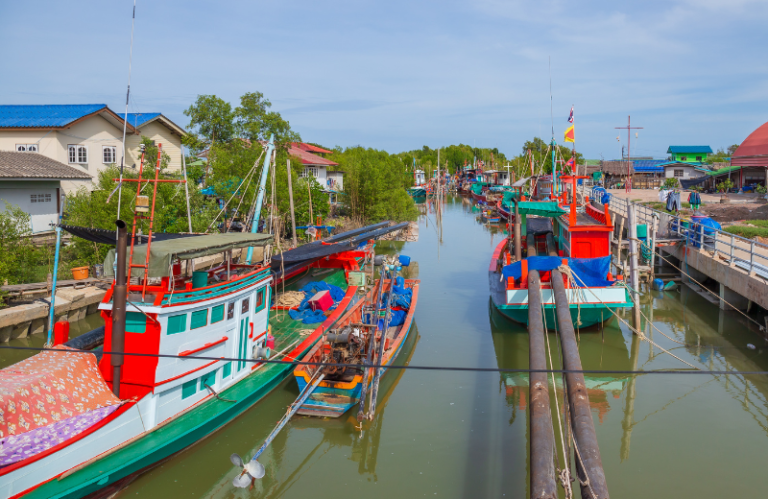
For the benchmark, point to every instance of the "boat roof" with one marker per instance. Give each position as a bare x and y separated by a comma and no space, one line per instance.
163,253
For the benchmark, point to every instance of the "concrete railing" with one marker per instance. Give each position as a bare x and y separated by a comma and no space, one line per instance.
741,252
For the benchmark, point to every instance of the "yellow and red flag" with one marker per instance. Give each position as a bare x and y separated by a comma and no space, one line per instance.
569,134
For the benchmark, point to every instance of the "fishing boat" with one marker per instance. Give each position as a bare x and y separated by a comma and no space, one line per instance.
478,191
559,235
183,354
152,406
491,216
350,342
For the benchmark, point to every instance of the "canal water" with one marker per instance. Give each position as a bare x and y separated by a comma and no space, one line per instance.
465,434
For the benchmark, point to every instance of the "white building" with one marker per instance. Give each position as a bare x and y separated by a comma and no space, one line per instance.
679,170
87,137
317,166
32,182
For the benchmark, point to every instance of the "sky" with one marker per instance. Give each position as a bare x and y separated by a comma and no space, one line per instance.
399,75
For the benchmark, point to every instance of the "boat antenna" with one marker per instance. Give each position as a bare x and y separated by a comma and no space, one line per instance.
125,117
551,112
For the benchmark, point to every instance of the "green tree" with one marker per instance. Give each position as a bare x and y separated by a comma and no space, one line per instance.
254,121
212,118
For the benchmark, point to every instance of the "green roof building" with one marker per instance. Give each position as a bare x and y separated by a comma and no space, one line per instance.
689,154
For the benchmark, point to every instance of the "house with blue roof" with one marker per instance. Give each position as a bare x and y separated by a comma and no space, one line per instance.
87,137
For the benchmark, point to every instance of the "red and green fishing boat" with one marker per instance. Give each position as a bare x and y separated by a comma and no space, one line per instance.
559,235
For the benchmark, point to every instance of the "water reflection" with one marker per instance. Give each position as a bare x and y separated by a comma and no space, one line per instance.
343,434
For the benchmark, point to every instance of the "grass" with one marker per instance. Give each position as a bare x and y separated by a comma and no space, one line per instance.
758,223
661,206
748,232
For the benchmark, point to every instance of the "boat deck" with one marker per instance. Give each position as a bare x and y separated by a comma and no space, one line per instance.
286,330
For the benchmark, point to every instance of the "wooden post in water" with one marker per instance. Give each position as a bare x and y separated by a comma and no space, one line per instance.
290,199
655,226
633,270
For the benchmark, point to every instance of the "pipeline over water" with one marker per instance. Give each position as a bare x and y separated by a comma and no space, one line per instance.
542,442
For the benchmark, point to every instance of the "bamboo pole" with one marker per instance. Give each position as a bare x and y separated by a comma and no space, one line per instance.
290,199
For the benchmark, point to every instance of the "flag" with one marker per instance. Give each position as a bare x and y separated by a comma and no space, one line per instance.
570,118
569,162
569,135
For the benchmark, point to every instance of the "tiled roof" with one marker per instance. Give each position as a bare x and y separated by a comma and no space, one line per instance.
138,119
308,158
689,149
310,148
44,116
36,166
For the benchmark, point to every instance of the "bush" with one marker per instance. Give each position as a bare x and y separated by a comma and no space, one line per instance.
670,183
20,259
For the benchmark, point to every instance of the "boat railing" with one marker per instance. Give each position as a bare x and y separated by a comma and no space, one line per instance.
747,254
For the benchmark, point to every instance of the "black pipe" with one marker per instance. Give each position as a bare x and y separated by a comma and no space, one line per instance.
542,441
581,414
551,246
119,297
88,341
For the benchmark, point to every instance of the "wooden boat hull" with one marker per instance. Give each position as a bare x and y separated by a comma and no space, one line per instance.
480,198
332,399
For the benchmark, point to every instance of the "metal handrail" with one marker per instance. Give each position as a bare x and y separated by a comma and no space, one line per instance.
708,238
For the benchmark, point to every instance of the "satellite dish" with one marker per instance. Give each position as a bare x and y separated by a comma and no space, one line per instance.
252,469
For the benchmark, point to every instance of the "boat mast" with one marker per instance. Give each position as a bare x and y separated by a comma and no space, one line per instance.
260,197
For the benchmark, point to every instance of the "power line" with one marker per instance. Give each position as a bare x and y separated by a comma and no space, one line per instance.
385,366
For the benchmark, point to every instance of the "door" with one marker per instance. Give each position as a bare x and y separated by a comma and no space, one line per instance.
242,350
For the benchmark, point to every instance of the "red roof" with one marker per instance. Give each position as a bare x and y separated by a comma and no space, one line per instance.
309,159
310,148
754,150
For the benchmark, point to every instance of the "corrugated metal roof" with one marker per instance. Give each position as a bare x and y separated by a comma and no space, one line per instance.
138,119
44,116
690,149
680,163
36,166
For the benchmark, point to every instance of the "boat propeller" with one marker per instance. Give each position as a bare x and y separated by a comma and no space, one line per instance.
252,469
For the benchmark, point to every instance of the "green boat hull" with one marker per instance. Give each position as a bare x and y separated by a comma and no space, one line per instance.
582,317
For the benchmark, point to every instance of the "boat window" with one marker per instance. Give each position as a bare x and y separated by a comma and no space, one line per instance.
199,319
217,313
189,388
208,379
246,305
260,299
177,324
135,322
230,310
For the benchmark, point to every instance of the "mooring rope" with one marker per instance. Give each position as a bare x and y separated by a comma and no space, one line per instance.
563,472
639,333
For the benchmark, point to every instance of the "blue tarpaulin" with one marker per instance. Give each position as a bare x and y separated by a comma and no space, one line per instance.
304,313
401,297
590,272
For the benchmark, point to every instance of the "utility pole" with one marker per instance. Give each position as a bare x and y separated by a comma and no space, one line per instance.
629,129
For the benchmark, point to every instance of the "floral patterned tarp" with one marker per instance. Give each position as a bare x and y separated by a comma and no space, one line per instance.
48,388
17,447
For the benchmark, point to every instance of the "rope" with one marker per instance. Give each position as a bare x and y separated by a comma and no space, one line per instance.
289,298
639,333
252,170
563,473
595,372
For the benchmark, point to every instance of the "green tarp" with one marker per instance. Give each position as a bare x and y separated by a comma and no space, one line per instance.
540,208
477,187
163,253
